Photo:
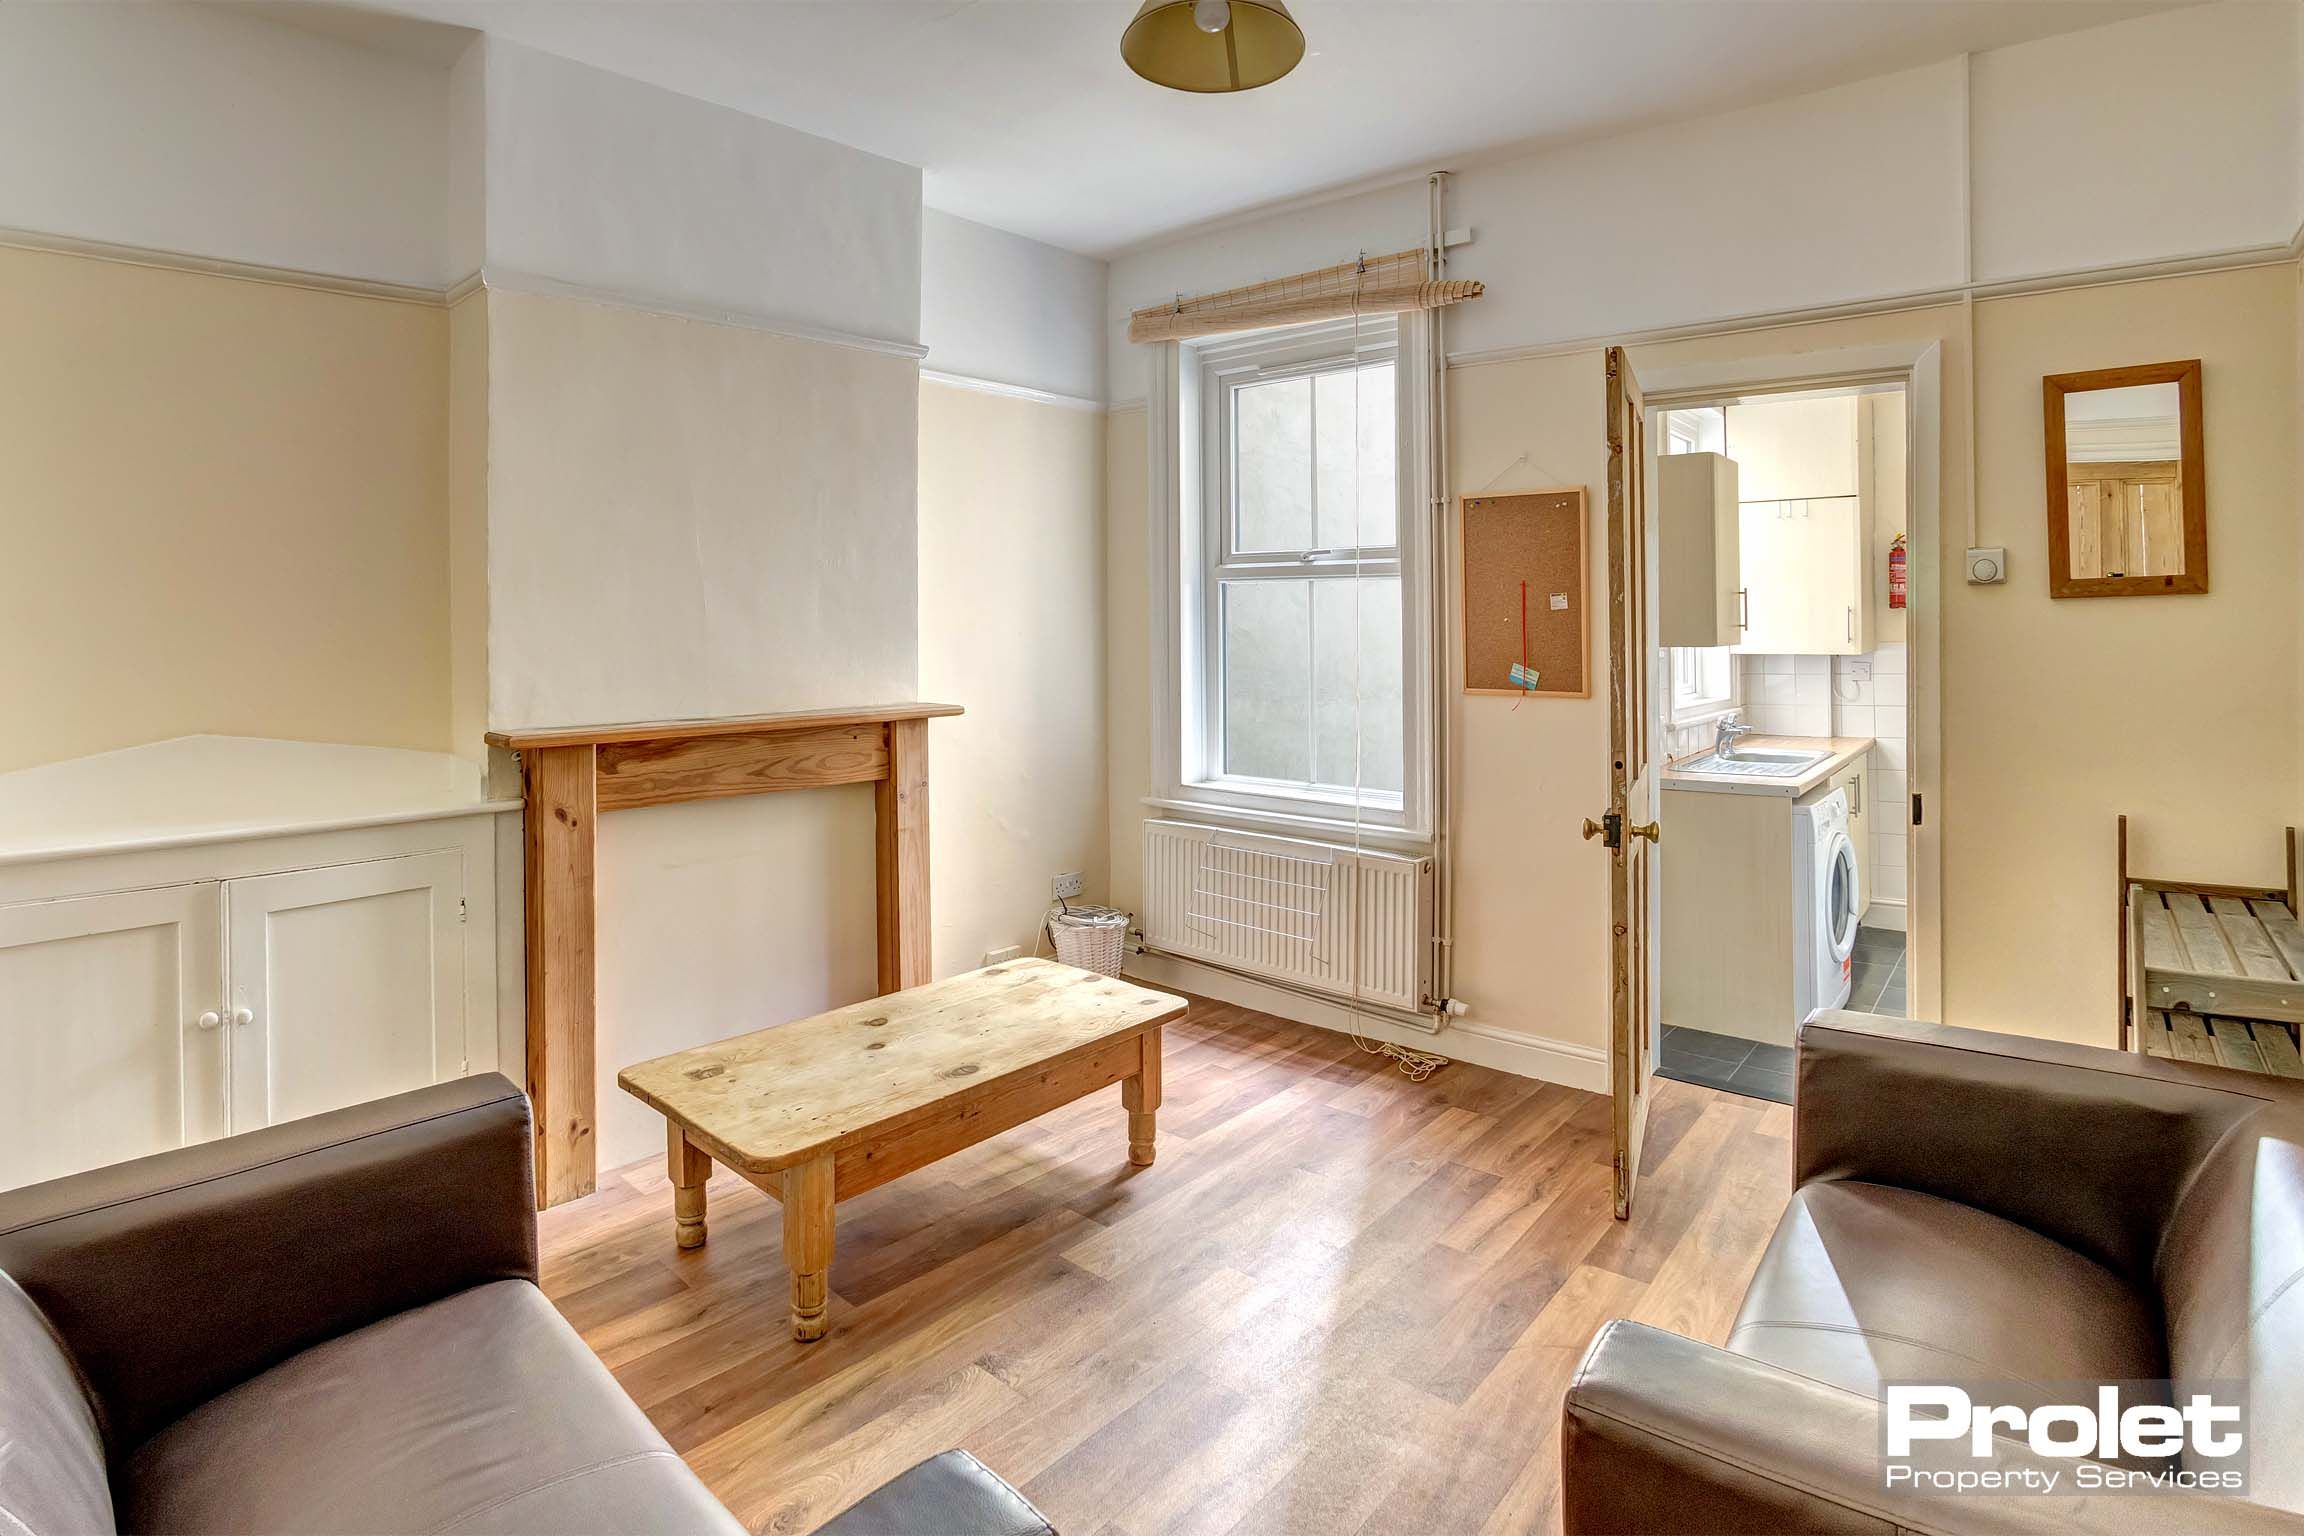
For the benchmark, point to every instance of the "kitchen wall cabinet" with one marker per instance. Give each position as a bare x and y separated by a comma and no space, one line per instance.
176,967
1802,569
1699,594
1795,450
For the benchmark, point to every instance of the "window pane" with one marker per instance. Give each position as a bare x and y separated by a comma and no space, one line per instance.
1356,655
1358,434
1297,654
1698,429
1272,465
1702,680
1268,679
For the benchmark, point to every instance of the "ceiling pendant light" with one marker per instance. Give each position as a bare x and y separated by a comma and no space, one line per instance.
1212,45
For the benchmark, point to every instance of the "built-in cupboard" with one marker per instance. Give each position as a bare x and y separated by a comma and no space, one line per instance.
156,996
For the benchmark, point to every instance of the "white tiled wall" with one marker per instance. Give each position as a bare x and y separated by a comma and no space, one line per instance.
1788,695
1681,740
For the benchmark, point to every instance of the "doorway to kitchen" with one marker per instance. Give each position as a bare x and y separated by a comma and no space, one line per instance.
1783,622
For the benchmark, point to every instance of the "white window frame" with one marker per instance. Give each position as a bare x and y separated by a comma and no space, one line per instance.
1189,425
1708,707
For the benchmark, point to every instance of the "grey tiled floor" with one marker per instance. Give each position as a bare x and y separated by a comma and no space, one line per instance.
1724,1061
1875,985
1766,1071
1876,979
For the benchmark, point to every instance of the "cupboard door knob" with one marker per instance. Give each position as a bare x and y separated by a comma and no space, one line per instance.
209,1020
243,1015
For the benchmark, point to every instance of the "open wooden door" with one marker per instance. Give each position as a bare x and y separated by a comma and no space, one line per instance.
1629,826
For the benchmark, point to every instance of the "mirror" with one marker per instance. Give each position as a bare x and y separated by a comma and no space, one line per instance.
2127,488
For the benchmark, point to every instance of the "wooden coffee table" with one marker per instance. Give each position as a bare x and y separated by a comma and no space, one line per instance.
821,1109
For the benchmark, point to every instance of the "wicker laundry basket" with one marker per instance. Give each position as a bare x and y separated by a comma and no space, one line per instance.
1093,938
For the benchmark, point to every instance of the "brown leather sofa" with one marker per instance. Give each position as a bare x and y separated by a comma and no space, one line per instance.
333,1325
1970,1206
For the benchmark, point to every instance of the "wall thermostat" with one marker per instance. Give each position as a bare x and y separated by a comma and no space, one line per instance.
1986,566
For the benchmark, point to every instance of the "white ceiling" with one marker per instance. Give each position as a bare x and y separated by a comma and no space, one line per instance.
1023,116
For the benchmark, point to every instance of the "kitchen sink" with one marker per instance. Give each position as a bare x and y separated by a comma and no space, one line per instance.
1756,762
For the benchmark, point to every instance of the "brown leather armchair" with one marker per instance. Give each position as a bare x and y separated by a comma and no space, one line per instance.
1970,1206
333,1325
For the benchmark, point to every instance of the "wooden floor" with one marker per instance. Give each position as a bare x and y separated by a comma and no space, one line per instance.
1339,1302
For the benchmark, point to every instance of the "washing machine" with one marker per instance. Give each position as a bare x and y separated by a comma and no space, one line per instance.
1825,901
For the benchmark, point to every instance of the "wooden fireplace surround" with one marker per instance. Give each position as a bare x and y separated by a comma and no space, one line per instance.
570,774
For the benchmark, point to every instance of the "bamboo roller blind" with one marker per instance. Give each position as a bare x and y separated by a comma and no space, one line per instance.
1375,285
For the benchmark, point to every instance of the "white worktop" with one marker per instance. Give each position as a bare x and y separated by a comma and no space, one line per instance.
199,789
1840,751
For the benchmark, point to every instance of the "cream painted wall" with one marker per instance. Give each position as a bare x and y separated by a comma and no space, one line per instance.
221,503
693,519
2181,712
719,917
1127,651
468,524
1011,626
695,516
1531,894
1890,492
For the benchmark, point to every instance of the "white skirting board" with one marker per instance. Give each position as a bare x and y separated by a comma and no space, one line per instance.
1483,1045
1885,914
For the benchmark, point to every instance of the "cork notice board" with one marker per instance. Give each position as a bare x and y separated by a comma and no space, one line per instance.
1536,537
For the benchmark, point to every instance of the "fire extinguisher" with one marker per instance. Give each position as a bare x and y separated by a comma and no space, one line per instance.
1898,581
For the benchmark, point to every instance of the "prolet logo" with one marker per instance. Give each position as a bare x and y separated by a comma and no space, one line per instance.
1944,1438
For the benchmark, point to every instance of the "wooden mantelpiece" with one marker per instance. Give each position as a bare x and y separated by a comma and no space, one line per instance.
570,774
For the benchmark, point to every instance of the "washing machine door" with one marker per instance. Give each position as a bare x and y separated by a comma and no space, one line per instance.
1840,897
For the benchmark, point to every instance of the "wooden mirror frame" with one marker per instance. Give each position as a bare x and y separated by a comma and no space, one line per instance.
2193,479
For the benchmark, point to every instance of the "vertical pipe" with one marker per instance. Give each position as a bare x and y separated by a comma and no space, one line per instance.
1443,744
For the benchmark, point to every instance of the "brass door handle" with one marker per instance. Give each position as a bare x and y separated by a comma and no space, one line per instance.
1611,828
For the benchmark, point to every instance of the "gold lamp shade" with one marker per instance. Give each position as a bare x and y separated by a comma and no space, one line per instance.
1256,42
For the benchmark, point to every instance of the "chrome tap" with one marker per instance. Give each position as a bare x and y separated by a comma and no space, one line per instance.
1725,735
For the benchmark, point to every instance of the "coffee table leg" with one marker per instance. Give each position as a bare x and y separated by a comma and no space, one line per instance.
1141,1096
808,1243
690,1169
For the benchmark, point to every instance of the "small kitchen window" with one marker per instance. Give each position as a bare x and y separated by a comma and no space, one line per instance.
1703,683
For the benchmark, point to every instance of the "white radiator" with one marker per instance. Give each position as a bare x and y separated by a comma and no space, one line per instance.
1356,925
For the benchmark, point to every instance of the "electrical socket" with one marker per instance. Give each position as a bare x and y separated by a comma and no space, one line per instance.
1003,955
1069,884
